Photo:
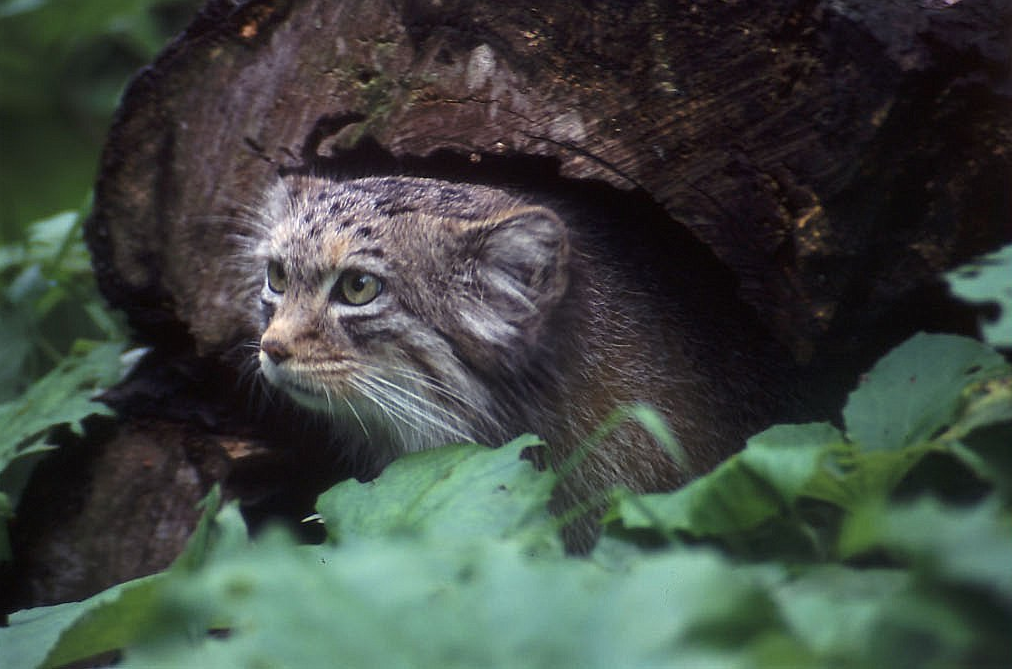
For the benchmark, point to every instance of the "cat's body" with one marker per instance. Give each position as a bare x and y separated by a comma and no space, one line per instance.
417,312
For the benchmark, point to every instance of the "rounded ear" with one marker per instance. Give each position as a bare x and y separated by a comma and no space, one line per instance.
519,273
526,253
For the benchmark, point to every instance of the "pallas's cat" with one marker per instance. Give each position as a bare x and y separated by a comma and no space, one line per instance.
416,312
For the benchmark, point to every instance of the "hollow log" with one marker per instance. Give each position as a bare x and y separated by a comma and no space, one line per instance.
833,155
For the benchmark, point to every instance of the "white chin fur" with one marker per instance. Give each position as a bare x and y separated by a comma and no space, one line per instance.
402,425
283,380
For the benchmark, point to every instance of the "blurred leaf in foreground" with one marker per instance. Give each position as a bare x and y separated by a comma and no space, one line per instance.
957,609
54,636
969,546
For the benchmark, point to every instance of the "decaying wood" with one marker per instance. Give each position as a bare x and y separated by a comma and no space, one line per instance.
834,155
132,515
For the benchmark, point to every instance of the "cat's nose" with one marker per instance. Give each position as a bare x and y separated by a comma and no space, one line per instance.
275,350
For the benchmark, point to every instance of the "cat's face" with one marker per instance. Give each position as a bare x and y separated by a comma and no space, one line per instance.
387,301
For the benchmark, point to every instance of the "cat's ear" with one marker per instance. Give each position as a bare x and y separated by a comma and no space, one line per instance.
519,274
524,258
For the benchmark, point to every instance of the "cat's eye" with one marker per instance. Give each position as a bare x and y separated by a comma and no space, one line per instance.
277,280
356,288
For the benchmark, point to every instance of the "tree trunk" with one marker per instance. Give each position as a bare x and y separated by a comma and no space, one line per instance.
834,156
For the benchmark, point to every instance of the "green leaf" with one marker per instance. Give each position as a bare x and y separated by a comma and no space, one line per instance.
790,458
776,467
968,546
958,608
402,602
648,418
53,636
982,404
988,280
220,531
834,609
56,243
461,490
914,393
64,396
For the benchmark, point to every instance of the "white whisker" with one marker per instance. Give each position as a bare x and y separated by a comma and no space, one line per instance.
358,418
391,418
423,401
412,410
440,388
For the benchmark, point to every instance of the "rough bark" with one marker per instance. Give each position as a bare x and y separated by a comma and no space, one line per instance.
834,155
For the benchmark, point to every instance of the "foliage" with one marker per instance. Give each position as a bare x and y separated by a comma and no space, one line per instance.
63,64
813,547
63,396
49,303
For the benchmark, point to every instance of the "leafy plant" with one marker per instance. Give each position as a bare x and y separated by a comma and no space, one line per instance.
812,547
63,64
51,323
49,302
63,396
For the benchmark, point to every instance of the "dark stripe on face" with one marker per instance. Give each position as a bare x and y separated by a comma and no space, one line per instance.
366,338
372,251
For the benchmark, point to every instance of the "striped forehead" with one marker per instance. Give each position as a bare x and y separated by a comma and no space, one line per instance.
318,238
321,221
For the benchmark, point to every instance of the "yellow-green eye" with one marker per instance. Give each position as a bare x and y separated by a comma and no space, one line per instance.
356,288
277,280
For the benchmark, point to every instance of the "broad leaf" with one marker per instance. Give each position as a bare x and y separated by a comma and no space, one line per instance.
914,393
776,467
456,491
